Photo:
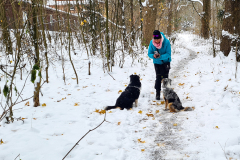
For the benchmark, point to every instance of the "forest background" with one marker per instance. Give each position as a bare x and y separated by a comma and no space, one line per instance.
36,33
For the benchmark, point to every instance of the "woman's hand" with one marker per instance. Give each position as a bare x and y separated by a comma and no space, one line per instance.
156,55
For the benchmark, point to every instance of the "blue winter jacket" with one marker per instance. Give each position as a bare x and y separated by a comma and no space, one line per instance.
165,51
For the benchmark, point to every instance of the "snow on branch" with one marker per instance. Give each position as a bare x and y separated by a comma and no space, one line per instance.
106,19
197,1
227,34
179,7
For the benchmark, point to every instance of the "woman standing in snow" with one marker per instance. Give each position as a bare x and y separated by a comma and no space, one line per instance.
160,51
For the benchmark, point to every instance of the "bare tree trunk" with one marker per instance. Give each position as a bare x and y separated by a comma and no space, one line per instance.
107,36
236,61
102,53
236,16
35,40
44,39
149,23
69,43
225,45
206,19
63,59
214,27
170,11
89,68
46,56
124,26
5,31
60,27
79,18
236,23
93,27
176,16
115,30
141,19
132,24
219,20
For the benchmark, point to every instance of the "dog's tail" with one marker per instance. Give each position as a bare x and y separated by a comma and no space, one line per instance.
188,108
111,107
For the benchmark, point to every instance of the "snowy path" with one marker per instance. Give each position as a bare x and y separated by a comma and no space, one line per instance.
211,131
167,137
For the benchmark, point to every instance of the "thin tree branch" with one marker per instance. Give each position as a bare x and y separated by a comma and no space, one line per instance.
224,150
1,67
6,111
111,75
17,157
85,135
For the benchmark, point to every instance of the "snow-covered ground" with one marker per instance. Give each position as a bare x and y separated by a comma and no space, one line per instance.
210,132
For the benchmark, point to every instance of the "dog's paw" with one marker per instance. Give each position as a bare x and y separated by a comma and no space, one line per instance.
188,109
165,109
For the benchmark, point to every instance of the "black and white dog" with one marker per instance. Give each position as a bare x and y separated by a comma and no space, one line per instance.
172,101
130,95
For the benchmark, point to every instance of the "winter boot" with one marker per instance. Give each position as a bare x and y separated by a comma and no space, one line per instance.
157,94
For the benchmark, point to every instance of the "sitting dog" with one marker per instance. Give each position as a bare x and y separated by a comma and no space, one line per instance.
130,95
172,101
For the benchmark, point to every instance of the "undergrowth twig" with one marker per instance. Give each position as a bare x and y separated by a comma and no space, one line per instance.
111,75
17,157
224,150
85,135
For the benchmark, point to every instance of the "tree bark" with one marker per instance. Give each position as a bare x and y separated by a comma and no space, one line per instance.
124,26
141,19
37,86
236,18
69,43
132,24
206,18
236,24
169,27
5,27
93,27
44,38
225,45
176,16
107,36
149,21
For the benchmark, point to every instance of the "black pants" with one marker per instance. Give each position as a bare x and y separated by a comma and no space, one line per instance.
161,72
